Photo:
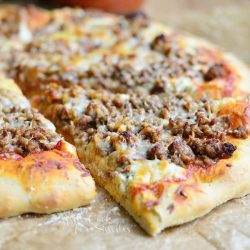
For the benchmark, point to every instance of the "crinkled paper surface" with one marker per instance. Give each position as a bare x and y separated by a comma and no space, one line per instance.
105,225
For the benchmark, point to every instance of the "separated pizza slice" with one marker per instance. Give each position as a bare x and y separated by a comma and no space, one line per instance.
39,171
166,159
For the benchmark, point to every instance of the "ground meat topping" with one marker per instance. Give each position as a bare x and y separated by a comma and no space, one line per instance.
215,71
62,46
161,43
83,34
157,152
163,67
209,65
22,132
171,127
180,152
99,50
212,148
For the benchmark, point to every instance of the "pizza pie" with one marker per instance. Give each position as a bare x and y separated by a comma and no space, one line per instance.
39,171
160,118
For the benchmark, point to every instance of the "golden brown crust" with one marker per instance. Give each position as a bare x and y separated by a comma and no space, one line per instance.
46,182
183,199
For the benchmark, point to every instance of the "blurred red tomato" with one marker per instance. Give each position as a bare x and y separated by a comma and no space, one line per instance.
116,6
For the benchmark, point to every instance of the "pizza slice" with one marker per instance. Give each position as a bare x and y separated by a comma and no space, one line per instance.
167,159
39,171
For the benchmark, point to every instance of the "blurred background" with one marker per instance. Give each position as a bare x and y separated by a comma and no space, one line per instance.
224,22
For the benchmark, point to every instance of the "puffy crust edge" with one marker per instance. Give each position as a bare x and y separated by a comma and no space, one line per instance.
239,67
234,183
46,182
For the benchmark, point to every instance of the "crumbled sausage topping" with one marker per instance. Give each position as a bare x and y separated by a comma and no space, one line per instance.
157,75
208,70
118,54
64,32
22,132
114,53
216,71
176,127
85,36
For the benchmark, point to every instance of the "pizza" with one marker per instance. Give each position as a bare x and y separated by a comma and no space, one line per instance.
39,171
160,118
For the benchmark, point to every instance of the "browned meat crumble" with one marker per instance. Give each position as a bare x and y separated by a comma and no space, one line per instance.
121,76
175,127
48,60
22,132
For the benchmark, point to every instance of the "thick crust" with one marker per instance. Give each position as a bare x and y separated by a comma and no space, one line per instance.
233,184
200,193
46,182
